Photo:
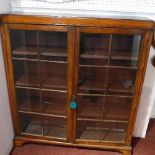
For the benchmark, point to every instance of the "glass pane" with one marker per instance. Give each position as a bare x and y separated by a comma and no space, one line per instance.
93,60
53,66
106,85
93,49
40,75
26,73
54,45
24,44
121,81
125,50
31,124
28,101
91,79
54,127
55,75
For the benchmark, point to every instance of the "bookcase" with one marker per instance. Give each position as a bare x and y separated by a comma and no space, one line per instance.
75,81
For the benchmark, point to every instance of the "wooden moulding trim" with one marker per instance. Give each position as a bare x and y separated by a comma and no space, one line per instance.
75,79
82,29
70,83
39,137
107,146
102,22
40,27
112,30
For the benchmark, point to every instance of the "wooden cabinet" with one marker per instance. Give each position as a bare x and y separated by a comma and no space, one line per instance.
75,81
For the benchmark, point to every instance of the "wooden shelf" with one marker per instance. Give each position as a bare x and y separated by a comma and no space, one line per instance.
44,51
123,55
124,63
56,108
101,131
55,51
120,86
55,132
27,50
25,59
113,86
97,54
55,83
92,85
114,136
123,67
33,128
111,66
42,129
90,135
91,111
26,80
40,60
54,61
101,134
33,106
60,83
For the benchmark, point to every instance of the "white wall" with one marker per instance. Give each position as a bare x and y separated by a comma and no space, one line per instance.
147,99
153,110
6,128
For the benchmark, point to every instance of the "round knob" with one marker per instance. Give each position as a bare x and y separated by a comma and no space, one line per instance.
73,105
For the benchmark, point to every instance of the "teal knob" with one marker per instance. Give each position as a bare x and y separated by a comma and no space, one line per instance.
73,105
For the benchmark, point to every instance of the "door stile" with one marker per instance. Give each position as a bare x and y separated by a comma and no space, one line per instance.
140,73
75,81
71,37
106,81
10,79
144,53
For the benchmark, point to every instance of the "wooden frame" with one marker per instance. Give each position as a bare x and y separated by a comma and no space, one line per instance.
70,59
32,18
140,74
74,26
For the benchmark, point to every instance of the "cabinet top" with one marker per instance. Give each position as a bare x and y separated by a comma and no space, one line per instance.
107,21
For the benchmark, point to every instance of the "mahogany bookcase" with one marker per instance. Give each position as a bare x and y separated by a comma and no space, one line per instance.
75,81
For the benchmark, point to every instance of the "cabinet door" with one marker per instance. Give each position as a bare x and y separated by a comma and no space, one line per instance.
106,64
42,60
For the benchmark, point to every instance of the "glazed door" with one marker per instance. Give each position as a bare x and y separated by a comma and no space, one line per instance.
106,67
42,62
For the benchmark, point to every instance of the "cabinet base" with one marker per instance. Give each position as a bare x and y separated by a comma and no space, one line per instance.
125,150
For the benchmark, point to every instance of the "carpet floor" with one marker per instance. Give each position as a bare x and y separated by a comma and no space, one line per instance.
141,147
